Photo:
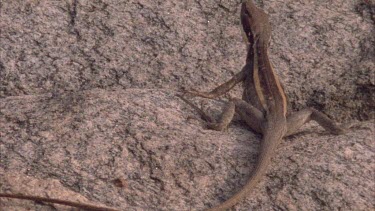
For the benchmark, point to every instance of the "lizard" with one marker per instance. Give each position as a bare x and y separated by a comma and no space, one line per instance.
263,106
264,103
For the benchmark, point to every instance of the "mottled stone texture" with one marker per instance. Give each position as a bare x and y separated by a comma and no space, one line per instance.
87,97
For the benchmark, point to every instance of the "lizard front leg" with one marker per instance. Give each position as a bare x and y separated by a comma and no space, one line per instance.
223,88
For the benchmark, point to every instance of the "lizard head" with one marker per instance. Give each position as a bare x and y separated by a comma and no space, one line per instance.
255,23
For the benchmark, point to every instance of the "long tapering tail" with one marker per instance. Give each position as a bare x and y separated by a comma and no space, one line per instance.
271,137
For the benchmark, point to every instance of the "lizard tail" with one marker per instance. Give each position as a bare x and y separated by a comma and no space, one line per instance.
269,143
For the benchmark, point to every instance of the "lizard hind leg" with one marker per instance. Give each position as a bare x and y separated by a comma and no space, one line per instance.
253,117
250,114
225,119
297,119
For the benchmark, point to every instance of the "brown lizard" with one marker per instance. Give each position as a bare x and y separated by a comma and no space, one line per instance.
264,103
263,106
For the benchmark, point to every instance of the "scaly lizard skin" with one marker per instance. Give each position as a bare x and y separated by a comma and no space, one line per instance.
264,103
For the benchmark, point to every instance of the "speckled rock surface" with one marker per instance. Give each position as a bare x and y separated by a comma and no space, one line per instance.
151,140
322,50
88,98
